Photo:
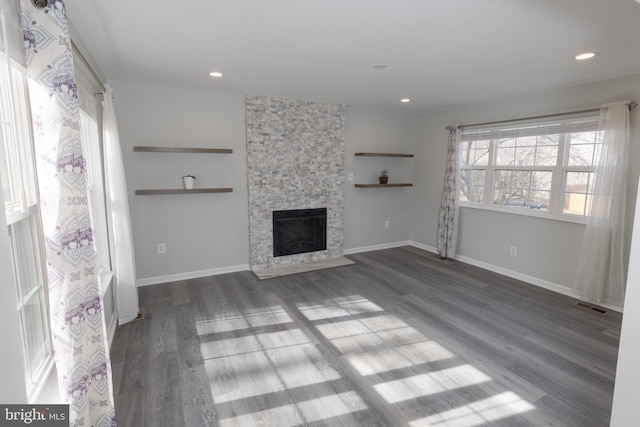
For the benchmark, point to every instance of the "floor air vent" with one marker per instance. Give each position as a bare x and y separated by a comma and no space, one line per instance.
592,308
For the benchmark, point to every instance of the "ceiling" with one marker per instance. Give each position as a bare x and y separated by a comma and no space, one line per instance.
437,52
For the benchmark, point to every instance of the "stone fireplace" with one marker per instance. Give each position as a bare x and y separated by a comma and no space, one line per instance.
295,161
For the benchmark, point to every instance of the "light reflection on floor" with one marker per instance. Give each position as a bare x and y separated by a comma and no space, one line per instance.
431,383
289,415
283,376
478,413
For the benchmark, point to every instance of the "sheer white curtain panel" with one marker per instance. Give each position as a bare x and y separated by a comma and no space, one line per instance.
126,292
601,274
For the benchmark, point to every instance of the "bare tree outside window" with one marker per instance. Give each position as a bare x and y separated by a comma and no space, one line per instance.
521,169
475,158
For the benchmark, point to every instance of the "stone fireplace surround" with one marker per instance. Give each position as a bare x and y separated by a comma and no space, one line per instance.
295,160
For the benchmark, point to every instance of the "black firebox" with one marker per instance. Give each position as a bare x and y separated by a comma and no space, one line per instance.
299,230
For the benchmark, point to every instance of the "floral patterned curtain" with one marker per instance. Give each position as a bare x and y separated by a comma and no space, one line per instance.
75,297
448,219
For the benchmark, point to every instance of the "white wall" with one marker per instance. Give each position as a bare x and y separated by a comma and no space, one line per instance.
202,232
547,249
625,397
366,209
208,232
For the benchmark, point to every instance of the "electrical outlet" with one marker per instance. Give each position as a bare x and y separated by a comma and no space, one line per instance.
350,176
162,248
386,223
513,251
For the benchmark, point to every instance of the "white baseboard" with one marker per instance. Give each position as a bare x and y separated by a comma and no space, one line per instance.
516,275
124,320
191,275
376,247
530,279
481,264
424,247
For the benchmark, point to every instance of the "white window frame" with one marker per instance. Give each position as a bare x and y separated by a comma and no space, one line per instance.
36,373
96,193
16,128
563,126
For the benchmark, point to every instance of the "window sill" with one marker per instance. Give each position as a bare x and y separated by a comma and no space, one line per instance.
106,278
44,390
15,214
527,212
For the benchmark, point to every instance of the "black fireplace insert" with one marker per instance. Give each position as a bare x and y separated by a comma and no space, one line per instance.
299,230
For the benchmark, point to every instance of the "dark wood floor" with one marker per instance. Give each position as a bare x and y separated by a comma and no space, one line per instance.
401,338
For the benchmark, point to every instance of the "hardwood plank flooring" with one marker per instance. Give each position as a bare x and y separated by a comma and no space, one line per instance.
400,338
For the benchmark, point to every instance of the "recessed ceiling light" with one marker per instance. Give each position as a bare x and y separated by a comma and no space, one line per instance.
215,74
405,100
586,55
380,66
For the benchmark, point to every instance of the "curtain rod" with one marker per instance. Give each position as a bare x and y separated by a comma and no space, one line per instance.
81,56
632,105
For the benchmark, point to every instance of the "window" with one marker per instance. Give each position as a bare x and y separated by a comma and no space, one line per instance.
16,159
24,227
31,304
584,150
90,138
542,169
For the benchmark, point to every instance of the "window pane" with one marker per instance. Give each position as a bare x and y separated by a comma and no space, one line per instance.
524,189
6,148
584,149
578,190
26,255
33,330
15,141
472,185
540,200
30,289
506,152
541,150
23,137
546,156
4,167
475,153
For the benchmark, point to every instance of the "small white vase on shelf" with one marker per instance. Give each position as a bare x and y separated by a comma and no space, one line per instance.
188,181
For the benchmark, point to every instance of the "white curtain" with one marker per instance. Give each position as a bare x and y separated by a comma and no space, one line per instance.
118,205
448,219
601,274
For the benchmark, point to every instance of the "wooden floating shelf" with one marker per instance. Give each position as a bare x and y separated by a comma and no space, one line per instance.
149,149
383,185
384,155
182,191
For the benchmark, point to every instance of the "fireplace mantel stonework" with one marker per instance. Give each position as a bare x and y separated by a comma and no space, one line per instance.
295,159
